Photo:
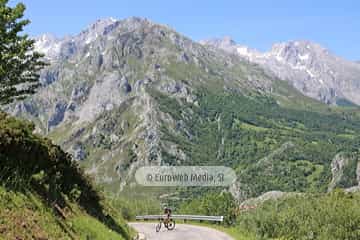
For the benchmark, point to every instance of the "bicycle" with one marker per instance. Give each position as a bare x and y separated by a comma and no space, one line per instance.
169,224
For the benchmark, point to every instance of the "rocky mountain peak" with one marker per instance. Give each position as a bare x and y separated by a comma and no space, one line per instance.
106,25
308,66
298,51
46,37
99,26
298,44
48,44
100,23
226,43
228,40
229,45
56,49
63,48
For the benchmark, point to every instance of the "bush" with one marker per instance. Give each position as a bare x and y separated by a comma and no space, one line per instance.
213,204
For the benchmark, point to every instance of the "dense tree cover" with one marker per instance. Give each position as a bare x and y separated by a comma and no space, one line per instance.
271,147
19,63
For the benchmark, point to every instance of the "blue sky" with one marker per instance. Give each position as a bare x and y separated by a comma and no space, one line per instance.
258,24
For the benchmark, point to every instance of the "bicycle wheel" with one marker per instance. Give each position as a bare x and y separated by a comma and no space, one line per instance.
158,227
171,225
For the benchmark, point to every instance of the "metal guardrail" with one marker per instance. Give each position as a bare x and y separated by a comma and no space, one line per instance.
182,217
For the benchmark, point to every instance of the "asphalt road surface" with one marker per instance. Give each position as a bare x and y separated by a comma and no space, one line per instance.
181,232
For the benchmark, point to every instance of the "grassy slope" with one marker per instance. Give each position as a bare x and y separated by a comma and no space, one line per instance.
24,215
44,195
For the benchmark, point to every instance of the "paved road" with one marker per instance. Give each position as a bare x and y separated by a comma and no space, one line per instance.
181,232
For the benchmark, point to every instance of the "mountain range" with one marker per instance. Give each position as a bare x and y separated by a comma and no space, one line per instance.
127,93
309,67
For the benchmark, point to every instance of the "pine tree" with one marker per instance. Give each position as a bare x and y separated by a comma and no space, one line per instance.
19,63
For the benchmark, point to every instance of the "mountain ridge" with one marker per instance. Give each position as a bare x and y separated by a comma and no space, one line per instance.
309,67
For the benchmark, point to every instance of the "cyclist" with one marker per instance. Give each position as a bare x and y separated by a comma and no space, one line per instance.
167,212
166,220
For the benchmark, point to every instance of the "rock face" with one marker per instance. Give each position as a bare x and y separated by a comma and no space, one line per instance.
337,169
339,165
309,67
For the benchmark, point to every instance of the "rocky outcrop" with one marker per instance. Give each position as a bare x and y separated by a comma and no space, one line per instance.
338,165
272,195
57,115
356,188
353,189
79,152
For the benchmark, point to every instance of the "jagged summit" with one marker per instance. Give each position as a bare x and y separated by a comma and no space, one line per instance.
100,25
309,67
48,44
300,49
103,24
56,48
226,41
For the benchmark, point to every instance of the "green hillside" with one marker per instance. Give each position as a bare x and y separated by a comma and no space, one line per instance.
45,195
271,147
330,216
312,216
